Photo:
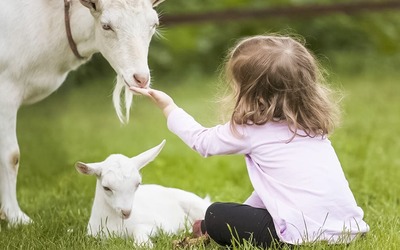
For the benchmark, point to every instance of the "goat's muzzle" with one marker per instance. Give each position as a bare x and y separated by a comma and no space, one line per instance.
126,214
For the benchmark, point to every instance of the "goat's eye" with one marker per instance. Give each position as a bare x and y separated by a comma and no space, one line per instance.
107,189
106,27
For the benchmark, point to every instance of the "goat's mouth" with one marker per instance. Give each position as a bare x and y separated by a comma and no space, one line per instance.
135,85
125,217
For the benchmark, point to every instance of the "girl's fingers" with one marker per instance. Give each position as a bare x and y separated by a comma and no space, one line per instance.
161,99
153,93
139,90
158,97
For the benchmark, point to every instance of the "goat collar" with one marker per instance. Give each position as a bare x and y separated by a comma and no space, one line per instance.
72,44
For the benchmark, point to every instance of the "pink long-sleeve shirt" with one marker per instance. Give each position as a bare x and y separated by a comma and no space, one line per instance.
301,183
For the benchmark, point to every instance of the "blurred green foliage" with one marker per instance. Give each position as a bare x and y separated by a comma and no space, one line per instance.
195,49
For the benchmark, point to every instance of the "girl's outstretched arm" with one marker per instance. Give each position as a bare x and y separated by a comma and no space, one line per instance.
161,99
216,140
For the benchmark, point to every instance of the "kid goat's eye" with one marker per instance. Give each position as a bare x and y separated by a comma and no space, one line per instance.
106,27
107,189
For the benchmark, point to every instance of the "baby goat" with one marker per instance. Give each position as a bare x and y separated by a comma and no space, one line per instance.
124,208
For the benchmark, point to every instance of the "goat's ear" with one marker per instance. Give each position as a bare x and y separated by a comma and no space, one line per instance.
91,4
88,169
144,158
156,2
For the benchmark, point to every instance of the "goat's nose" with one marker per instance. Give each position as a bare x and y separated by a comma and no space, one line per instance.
141,79
126,213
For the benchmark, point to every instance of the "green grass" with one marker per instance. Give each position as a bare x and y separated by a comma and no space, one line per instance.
78,123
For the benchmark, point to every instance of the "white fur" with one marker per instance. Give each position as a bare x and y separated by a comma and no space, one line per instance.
35,59
151,207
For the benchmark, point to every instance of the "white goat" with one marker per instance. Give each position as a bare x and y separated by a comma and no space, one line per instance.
122,207
35,59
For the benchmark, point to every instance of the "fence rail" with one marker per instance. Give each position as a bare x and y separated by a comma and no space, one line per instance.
293,11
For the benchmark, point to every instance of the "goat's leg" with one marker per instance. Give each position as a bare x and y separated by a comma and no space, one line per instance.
9,164
142,239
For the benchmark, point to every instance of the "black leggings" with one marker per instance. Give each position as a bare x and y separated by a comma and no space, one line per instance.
226,223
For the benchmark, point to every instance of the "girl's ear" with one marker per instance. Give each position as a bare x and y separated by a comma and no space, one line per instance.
156,2
88,168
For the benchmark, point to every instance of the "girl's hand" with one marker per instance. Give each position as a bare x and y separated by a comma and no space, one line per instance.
161,99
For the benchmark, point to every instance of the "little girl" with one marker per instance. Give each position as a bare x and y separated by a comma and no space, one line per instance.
281,118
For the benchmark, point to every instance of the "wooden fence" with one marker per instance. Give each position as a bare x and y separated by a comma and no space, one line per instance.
293,11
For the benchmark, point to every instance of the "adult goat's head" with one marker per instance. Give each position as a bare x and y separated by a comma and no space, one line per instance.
118,178
123,31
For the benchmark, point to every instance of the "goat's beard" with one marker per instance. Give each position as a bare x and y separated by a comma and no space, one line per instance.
121,89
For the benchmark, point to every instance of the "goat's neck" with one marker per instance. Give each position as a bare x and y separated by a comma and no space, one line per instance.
83,30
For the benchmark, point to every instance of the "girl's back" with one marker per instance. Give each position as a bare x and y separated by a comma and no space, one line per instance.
301,183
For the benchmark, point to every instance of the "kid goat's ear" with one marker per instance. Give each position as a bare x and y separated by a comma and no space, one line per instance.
144,158
87,168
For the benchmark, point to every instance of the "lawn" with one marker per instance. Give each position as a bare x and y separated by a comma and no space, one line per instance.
78,123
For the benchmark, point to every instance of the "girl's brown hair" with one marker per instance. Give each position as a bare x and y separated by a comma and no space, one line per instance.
276,78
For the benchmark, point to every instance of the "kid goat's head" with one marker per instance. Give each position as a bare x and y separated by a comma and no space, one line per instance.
118,178
123,31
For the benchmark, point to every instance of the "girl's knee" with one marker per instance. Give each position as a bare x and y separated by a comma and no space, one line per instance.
214,206
215,211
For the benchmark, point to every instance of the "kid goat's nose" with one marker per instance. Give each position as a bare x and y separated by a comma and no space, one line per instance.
126,213
141,79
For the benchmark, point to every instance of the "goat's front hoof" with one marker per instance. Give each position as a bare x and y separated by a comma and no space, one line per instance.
17,218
